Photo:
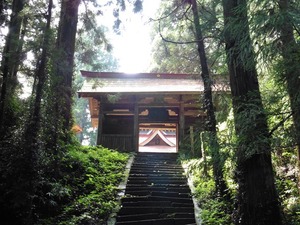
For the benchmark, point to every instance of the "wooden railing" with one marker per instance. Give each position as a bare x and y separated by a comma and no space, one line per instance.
122,142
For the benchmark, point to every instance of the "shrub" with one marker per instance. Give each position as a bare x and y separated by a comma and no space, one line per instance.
92,176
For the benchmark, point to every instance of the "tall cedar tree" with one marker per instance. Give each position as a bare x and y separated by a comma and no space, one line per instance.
32,127
221,187
33,124
9,67
63,77
257,200
291,55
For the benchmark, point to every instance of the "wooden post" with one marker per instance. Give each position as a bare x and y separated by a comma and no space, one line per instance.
181,122
192,140
100,123
136,127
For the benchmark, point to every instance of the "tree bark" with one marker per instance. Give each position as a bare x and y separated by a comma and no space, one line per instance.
33,124
221,186
257,200
32,128
290,53
64,66
203,154
10,65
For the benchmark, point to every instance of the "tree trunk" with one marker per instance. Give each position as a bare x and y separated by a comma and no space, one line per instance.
32,128
257,200
64,67
33,124
290,53
221,186
9,66
203,154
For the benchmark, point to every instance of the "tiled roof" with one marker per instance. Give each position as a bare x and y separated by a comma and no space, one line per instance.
140,83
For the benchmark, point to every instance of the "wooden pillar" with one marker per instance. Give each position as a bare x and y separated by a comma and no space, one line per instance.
100,122
181,122
136,127
192,140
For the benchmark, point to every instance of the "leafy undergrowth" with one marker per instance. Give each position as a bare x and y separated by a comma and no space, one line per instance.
92,176
214,210
289,196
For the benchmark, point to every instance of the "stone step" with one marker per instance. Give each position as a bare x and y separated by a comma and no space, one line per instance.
155,171
152,161
160,162
157,164
156,192
140,210
156,181
158,177
160,193
175,175
158,188
155,203
154,216
154,164
157,198
170,163
171,221
136,217
157,155
157,185
156,168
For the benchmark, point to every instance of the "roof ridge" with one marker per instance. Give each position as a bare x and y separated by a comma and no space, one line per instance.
92,74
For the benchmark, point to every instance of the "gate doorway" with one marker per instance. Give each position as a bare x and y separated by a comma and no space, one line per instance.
158,137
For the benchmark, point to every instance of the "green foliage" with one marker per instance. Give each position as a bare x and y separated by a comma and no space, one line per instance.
213,209
285,162
290,200
282,133
177,53
90,181
215,212
82,118
89,57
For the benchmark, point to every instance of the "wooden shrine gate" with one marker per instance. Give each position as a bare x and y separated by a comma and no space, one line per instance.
122,104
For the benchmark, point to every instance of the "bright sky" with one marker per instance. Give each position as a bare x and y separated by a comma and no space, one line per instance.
133,46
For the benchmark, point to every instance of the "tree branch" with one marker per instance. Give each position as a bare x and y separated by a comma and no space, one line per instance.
98,32
279,124
166,16
185,13
296,29
179,42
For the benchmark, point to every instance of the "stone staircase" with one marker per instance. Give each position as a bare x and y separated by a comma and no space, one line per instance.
156,193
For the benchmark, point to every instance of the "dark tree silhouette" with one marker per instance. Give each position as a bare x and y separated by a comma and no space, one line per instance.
9,68
257,200
290,53
221,186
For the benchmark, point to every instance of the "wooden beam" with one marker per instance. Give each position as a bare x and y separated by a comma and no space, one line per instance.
192,140
100,123
159,105
136,128
123,105
161,126
181,123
